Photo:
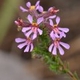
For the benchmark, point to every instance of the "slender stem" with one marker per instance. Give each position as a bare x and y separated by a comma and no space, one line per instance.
68,71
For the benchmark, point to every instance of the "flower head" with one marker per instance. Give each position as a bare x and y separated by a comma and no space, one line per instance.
25,42
33,29
57,44
56,30
32,7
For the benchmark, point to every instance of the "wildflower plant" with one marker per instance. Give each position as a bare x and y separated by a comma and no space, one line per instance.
43,27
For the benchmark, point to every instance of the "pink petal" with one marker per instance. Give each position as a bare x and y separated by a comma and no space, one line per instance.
61,50
34,35
30,18
27,48
40,9
51,22
65,45
54,52
39,20
18,40
57,20
37,3
23,9
28,4
20,46
28,33
16,22
24,29
52,35
31,47
64,29
50,47
62,34
52,17
50,8
40,31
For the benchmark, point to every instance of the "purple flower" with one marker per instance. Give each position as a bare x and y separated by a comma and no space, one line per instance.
33,29
25,42
56,30
32,7
57,44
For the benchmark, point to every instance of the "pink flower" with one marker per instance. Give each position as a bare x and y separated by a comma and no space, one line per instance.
33,7
57,44
33,29
25,42
56,30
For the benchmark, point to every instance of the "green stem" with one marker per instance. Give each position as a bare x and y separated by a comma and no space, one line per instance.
67,70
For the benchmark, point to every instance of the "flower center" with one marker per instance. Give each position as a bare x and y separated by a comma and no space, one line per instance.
55,25
32,7
56,42
34,24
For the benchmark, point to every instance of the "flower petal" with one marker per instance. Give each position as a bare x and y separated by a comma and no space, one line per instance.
28,33
39,20
28,4
52,17
64,29
50,8
24,29
54,52
20,46
40,9
61,50
18,40
23,9
62,34
37,3
57,20
30,18
34,35
65,45
31,47
27,48
50,48
40,31
51,22
52,35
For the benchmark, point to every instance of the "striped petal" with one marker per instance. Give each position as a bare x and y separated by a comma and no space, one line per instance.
40,9
30,18
51,22
57,20
20,46
34,35
18,40
64,29
54,52
37,3
61,50
40,31
26,29
31,47
65,45
23,9
52,35
28,33
28,4
52,17
27,48
50,48
39,20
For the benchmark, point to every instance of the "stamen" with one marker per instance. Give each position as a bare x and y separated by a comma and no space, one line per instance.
32,7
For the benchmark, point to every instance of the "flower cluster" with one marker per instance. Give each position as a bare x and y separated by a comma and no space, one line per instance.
31,28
